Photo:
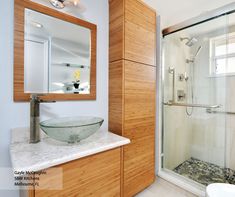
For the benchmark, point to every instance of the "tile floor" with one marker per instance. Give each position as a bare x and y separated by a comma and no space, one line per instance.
162,188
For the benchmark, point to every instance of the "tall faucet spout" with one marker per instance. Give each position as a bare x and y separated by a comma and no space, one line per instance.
34,119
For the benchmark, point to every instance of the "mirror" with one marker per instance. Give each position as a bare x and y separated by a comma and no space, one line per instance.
59,56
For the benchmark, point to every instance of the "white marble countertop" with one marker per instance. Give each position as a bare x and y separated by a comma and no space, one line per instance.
48,152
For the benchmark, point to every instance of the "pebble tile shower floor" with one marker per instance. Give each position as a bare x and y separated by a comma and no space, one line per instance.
204,172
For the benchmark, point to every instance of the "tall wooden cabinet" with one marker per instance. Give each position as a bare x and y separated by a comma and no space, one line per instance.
132,89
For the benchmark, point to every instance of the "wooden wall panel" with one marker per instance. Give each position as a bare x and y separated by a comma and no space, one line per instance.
139,126
97,176
116,30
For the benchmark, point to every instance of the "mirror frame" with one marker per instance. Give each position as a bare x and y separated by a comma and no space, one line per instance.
19,20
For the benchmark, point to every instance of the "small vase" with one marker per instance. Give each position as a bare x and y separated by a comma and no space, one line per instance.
76,86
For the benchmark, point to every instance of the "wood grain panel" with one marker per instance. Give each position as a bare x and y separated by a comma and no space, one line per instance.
97,175
140,32
139,13
139,126
139,168
132,88
116,96
30,193
19,94
139,44
31,189
116,30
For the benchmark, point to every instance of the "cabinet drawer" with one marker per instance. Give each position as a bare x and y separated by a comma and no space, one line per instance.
96,175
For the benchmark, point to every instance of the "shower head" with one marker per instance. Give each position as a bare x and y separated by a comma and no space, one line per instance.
190,41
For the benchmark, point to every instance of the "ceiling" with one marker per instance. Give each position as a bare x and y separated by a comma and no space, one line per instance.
173,12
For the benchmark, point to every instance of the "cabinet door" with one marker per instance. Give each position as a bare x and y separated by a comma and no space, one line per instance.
139,126
116,30
140,32
97,175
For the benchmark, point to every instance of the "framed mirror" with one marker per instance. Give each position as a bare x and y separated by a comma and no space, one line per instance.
54,54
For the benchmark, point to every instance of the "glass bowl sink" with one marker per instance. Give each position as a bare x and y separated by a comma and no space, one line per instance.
72,129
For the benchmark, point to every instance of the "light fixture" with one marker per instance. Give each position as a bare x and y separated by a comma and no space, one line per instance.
75,2
59,4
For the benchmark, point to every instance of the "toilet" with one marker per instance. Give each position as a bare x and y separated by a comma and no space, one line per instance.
220,190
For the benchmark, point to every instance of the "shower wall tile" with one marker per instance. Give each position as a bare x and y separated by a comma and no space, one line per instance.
177,127
230,121
208,140
231,151
177,137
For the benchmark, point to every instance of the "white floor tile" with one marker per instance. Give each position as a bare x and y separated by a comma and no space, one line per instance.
162,188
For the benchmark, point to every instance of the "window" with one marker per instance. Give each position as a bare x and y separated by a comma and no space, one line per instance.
222,55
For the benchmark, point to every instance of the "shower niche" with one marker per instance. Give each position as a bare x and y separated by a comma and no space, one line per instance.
198,73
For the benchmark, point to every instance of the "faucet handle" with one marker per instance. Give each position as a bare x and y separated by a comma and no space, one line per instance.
42,101
36,97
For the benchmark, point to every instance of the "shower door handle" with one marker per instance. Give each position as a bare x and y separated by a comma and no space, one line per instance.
169,103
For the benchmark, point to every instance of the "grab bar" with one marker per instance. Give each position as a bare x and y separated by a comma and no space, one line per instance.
219,112
192,105
172,71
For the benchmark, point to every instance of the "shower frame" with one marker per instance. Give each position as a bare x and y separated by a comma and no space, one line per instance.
169,175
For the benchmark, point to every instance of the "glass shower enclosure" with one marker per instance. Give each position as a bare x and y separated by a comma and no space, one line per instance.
198,101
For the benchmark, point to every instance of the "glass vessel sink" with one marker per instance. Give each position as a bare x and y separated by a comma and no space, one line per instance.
72,129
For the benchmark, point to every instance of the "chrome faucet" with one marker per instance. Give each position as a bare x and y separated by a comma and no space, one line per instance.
35,117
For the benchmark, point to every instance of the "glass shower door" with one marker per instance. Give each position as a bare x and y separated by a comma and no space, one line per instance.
194,97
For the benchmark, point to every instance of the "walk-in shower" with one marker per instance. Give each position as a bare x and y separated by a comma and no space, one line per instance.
198,100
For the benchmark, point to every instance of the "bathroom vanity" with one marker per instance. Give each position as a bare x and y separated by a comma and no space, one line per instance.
59,65
89,168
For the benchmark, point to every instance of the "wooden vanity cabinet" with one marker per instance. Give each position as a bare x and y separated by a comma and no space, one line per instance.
132,89
96,175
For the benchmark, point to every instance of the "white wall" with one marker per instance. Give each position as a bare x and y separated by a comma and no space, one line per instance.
173,12
14,115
